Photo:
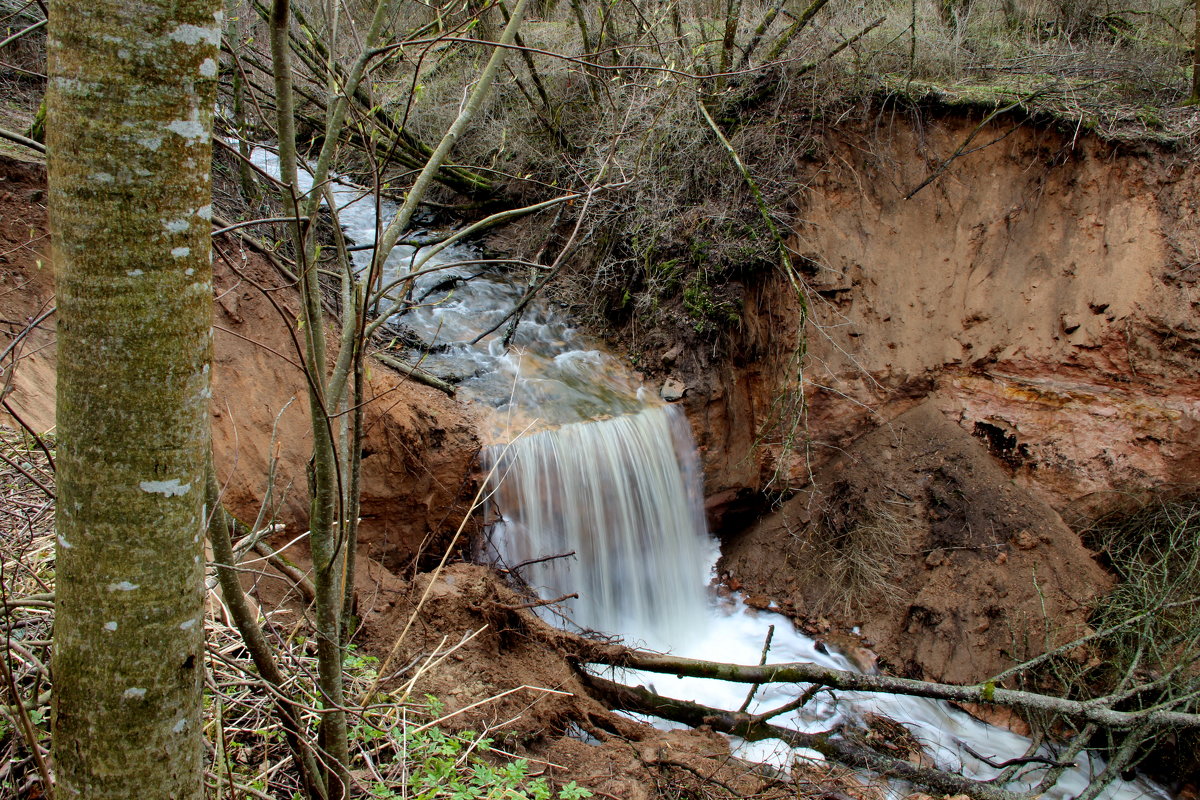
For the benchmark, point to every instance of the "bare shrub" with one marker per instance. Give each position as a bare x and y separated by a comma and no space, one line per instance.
1143,652
852,552
1155,552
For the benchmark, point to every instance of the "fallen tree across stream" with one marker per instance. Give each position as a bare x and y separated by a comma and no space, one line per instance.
1097,712
842,744
753,728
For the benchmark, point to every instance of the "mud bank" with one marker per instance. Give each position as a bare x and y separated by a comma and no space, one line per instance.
420,444
1041,292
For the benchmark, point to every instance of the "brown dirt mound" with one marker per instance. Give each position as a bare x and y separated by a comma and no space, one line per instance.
957,567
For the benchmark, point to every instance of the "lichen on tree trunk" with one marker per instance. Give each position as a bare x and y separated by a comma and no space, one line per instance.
130,107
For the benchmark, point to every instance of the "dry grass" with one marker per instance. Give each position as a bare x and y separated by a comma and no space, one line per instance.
862,559
1155,554
27,592
853,554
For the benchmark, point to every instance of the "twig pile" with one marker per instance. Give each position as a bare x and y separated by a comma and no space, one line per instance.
27,596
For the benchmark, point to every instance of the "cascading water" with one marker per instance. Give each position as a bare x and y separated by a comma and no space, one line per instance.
623,495
616,481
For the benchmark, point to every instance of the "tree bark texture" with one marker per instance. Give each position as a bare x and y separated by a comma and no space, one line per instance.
130,105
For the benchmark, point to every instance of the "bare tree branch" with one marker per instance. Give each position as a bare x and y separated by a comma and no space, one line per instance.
836,748
1093,711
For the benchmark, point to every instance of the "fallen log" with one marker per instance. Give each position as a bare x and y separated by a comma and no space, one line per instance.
415,373
841,749
1097,711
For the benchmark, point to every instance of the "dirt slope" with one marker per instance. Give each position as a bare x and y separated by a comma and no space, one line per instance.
1042,292
419,448
26,292
420,445
958,569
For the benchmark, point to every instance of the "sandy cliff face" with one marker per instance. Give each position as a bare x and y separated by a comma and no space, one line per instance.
1035,308
1042,292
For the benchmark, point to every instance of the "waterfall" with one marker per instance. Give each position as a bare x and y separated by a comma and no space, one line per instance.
624,494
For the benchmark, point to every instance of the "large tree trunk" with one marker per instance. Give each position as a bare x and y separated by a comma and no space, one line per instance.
130,107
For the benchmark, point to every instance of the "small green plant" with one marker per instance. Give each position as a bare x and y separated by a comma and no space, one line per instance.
663,276
1151,117
362,664
427,763
708,312
453,766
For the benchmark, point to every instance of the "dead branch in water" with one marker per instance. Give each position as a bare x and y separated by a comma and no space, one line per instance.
1092,711
753,728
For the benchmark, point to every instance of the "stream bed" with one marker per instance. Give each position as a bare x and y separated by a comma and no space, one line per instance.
586,460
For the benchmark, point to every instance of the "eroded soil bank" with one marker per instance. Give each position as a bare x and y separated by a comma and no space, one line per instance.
1013,344
1042,292
1037,302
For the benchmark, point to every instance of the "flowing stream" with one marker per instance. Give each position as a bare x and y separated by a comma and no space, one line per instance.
586,461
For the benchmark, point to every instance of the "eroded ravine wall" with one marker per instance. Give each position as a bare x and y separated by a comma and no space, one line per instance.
1014,342
1042,292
